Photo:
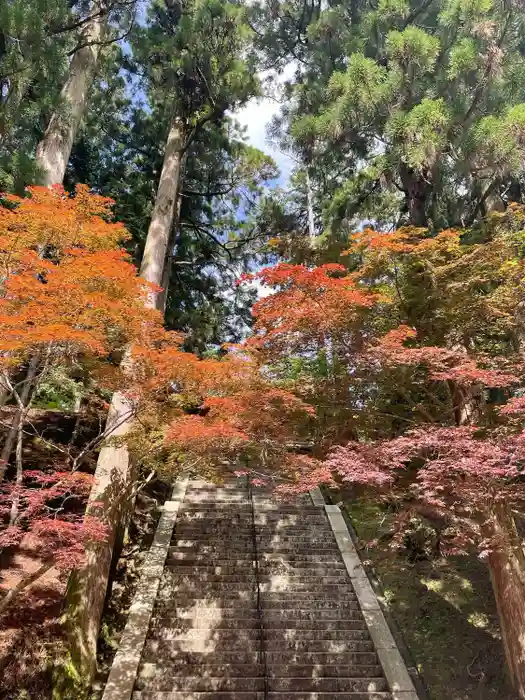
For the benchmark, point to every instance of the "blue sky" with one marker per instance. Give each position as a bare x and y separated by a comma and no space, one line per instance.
256,116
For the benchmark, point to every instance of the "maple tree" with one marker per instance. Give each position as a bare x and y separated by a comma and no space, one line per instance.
422,335
70,297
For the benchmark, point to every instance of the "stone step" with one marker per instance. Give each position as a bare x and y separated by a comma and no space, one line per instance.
345,594
368,695
215,493
243,590
329,578
285,580
321,605
328,685
198,607
210,636
302,658
219,533
303,559
329,634
221,543
175,608
212,490
159,621
220,549
206,501
322,627
193,559
197,596
318,645
182,695
182,567
192,683
202,577
154,647
299,516
204,683
293,515
269,567
329,589
239,512
299,615
309,672
266,531
280,509
270,625
215,533
173,669
172,608
289,550
271,537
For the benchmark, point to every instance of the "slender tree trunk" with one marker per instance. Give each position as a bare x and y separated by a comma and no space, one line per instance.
157,242
23,405
507,572
4,393
53,152
113,475
162,299
13,593
310,200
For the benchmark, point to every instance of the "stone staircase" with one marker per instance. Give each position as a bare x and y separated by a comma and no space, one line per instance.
255,602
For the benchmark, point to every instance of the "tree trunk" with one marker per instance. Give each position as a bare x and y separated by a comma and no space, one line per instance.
87,586
113,475
310,206
162,298
157,242
53,152
507,572
23,405
416,190
24,582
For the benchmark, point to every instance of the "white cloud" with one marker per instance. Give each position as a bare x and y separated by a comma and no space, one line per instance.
257,115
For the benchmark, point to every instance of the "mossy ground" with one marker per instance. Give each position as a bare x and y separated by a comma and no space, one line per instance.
444,609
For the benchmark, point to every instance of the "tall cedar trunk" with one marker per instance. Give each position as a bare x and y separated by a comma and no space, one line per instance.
113,475
160,227
507,572
53,152
162,300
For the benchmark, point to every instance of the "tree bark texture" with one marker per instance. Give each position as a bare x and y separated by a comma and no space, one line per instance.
159,231
87,586
162,298
54,150
417,191
23,406
507,572
113,475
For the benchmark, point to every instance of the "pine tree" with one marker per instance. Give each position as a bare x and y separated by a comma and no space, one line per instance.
408,112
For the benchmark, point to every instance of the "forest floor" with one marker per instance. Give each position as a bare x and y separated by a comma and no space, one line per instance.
444,609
